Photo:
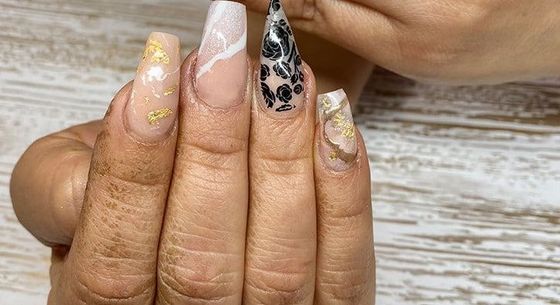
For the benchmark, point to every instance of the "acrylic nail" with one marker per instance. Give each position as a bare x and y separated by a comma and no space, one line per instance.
281,72
152,109
338,145
221,67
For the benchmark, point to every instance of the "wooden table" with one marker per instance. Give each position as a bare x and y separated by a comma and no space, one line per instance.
466,180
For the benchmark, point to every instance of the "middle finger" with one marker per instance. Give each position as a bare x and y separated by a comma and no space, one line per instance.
203,241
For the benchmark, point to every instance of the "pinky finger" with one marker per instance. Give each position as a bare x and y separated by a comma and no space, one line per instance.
345,258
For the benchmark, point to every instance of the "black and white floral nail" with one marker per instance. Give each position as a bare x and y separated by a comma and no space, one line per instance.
281,73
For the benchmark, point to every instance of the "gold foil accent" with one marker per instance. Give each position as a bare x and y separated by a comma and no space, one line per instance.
170,91
146,100
345,125
326,103
336,115
156,53
157,115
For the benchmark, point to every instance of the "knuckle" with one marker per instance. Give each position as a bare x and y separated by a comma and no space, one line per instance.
133,175
281,284
217,142
197,283
352,292
139,166
344,210
346,286
133,290
285,166
220,152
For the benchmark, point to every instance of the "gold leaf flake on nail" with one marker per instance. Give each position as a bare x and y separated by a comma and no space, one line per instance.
333,155
344,124
146,100
170,91
326,103
156,53
157,115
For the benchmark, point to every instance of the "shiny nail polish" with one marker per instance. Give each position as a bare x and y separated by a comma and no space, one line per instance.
281,72
221,67
152,110
338,143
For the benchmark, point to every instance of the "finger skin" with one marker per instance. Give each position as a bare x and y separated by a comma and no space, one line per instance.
203,242
113,256
49,181
345,255
439,41
281,237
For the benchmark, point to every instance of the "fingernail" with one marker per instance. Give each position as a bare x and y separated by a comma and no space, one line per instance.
338,145
221,68
152,109
281,73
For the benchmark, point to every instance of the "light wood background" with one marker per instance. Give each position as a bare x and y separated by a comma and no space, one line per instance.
466,180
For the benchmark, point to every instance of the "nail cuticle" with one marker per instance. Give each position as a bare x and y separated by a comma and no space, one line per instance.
201,100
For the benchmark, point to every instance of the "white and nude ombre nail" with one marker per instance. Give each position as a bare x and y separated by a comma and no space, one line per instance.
338,143
152,109
281,72
221,67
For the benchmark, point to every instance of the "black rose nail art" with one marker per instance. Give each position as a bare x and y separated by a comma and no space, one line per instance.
284,93
265,72
268,95
275,5
276,42
282,69
298,89
281,75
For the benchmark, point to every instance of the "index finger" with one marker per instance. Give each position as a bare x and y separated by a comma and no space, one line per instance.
114,254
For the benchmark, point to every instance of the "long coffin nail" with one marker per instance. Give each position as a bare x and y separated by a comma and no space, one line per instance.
221,68
337,146
281,73
152,109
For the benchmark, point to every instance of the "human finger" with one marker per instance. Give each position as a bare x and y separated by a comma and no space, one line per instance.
345,255
113,257
281,237
202,250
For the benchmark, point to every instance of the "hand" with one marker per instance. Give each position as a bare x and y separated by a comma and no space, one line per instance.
167,215
458,42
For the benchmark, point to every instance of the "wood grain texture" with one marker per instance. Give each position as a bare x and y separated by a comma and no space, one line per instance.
466,179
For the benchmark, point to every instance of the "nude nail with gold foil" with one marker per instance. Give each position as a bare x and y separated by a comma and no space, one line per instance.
338,143
221,67
152,109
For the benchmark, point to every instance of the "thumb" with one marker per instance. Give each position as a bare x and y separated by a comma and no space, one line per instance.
48,183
